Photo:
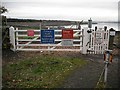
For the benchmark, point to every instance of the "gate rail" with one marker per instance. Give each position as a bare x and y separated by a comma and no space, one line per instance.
20,41
86,41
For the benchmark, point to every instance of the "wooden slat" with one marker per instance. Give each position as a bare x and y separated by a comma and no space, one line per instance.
78,50
51,29
75,40
44,45
25,35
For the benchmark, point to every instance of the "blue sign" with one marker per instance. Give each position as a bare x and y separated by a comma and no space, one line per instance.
47,36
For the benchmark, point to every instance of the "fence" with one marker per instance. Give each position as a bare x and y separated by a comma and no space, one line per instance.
22,42
95,41
86,41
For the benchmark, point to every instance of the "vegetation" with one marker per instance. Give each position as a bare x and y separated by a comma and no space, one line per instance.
3,9
33,20
117,38
39,72
22,20
5,29
100,84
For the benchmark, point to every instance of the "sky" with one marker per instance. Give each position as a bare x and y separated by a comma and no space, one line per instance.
75,10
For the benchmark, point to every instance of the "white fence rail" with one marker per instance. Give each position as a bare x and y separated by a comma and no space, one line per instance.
87,43
22,42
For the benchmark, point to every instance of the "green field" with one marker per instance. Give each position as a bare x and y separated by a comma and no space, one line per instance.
39,72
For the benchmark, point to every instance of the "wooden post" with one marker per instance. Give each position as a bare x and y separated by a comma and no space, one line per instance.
81,39
111,38
48,48
17,42
86,40
12,38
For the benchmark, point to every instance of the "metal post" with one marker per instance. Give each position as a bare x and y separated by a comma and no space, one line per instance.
106,65
105,75
90,23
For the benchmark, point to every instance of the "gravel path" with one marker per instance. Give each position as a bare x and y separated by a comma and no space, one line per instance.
87,76
113,75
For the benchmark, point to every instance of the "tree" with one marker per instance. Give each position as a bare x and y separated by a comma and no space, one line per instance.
3,10
5,29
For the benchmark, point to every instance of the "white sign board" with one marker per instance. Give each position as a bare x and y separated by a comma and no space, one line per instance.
112,33
67,42
98,38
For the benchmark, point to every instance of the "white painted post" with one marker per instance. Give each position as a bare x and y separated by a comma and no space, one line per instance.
17,47
91,43
101,41
86,38
48,48
105,39
81,39
102,45
12,38
108,38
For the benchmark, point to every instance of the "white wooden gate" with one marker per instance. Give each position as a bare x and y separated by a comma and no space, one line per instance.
20,41
95,42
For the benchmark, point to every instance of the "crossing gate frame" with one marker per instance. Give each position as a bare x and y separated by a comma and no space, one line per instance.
95,42
18,45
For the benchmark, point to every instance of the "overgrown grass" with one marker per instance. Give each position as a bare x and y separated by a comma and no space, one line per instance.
39,72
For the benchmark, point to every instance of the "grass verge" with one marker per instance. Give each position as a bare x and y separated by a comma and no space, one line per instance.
39,72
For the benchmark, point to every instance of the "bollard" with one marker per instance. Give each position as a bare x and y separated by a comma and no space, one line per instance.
107,61
106,65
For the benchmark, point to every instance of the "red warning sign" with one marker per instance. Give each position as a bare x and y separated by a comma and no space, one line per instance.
30,32
67,34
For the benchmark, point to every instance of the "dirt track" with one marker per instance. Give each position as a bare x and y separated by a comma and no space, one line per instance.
87,76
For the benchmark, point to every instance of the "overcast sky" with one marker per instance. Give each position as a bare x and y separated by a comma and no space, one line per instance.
98,10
